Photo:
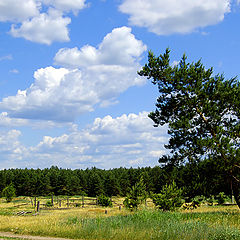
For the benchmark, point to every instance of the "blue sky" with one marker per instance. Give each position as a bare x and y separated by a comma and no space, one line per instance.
69,91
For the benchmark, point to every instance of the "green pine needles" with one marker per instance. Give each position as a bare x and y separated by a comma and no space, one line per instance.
9,192
169,198
136,196
202,112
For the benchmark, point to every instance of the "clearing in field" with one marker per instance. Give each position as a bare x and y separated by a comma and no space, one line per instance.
94,222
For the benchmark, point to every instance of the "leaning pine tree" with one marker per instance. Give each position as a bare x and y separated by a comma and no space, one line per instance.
202,112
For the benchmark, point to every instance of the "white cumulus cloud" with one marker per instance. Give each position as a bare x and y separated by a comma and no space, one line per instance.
120,47
174,16
128,140
18,10
62,94
11,150
44,28
41,21
8,122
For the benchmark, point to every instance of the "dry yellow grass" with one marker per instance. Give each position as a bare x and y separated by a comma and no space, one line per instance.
76,222
50,222
211,209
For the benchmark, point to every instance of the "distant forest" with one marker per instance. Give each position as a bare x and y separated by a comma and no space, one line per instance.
195,179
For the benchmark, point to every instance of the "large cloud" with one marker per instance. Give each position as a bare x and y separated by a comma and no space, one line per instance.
128,140
119,47
44,28
8,122
11,150
174,16
41,21
18,10
95,76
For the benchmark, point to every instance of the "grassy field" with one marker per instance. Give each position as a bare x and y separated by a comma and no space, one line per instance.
215,222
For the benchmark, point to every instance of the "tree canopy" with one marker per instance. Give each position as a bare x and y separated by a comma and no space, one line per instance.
202,111
192,178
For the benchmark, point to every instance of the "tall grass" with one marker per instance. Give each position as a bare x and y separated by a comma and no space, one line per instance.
214,223
144,224
154,225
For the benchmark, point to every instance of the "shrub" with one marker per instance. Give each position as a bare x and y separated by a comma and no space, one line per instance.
169,198
49,204
136,196
190,206
131,203
104,201
9,192
210,201
195,203
221,198
199,199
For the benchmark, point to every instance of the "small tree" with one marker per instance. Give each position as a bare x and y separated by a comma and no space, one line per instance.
49,204
169,198
104,201
9,192
136,196
221,198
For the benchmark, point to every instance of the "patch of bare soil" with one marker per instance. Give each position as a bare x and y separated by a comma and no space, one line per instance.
13,235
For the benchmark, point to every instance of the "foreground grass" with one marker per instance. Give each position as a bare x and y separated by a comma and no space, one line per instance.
203,223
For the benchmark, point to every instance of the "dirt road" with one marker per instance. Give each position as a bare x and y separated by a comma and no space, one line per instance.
12,235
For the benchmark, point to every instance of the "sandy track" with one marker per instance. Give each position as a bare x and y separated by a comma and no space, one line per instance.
12,235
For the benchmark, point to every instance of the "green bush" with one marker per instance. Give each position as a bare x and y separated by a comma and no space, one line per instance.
104,201
169,198
131,203
221,198
190,206
136,196
9,192
49,204
210,201
195,203
199,199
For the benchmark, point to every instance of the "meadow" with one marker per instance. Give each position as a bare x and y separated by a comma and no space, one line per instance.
94,222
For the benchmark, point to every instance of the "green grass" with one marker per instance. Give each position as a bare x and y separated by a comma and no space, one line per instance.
6,212
204,223
150,224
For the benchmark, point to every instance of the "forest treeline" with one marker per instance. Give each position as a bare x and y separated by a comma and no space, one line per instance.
195,179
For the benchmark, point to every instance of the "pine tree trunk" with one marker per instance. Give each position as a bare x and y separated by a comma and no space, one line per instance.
236,191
